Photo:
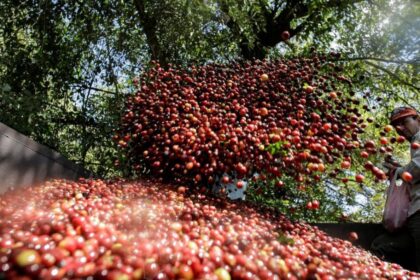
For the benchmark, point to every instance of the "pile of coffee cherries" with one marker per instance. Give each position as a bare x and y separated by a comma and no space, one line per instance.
194,125
94,229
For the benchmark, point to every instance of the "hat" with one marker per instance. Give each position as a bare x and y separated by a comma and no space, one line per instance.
401,113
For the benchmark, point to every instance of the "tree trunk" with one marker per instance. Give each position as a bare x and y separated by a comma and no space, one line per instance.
149,25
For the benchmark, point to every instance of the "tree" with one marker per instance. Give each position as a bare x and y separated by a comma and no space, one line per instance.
258,25
57,58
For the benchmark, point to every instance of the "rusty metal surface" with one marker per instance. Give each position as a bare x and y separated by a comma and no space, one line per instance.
24,162
366,232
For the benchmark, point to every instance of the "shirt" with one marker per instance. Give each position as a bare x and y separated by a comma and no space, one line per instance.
233,192
413,167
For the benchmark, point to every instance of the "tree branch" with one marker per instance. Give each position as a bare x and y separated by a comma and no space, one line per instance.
234,26
76,121
303,11
337,3
287,13
392,75
303,25
329,183
388,94
411,62
96,89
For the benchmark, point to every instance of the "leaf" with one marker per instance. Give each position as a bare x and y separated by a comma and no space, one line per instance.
6,87
285,240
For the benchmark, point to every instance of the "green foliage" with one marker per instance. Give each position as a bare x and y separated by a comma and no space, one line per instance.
283,239
292,198
277,148
57,61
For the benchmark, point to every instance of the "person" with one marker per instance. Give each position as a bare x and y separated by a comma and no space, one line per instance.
406,242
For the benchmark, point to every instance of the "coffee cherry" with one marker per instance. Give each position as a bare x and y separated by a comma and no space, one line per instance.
27,257
388,128
345,165
359,178
264,77
406,176
149,229
285,35
353,236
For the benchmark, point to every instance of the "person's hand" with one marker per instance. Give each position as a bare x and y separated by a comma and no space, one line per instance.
390,166
391,161
391,169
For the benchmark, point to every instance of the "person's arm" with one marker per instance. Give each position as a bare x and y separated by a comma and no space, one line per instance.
413,167
391,165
